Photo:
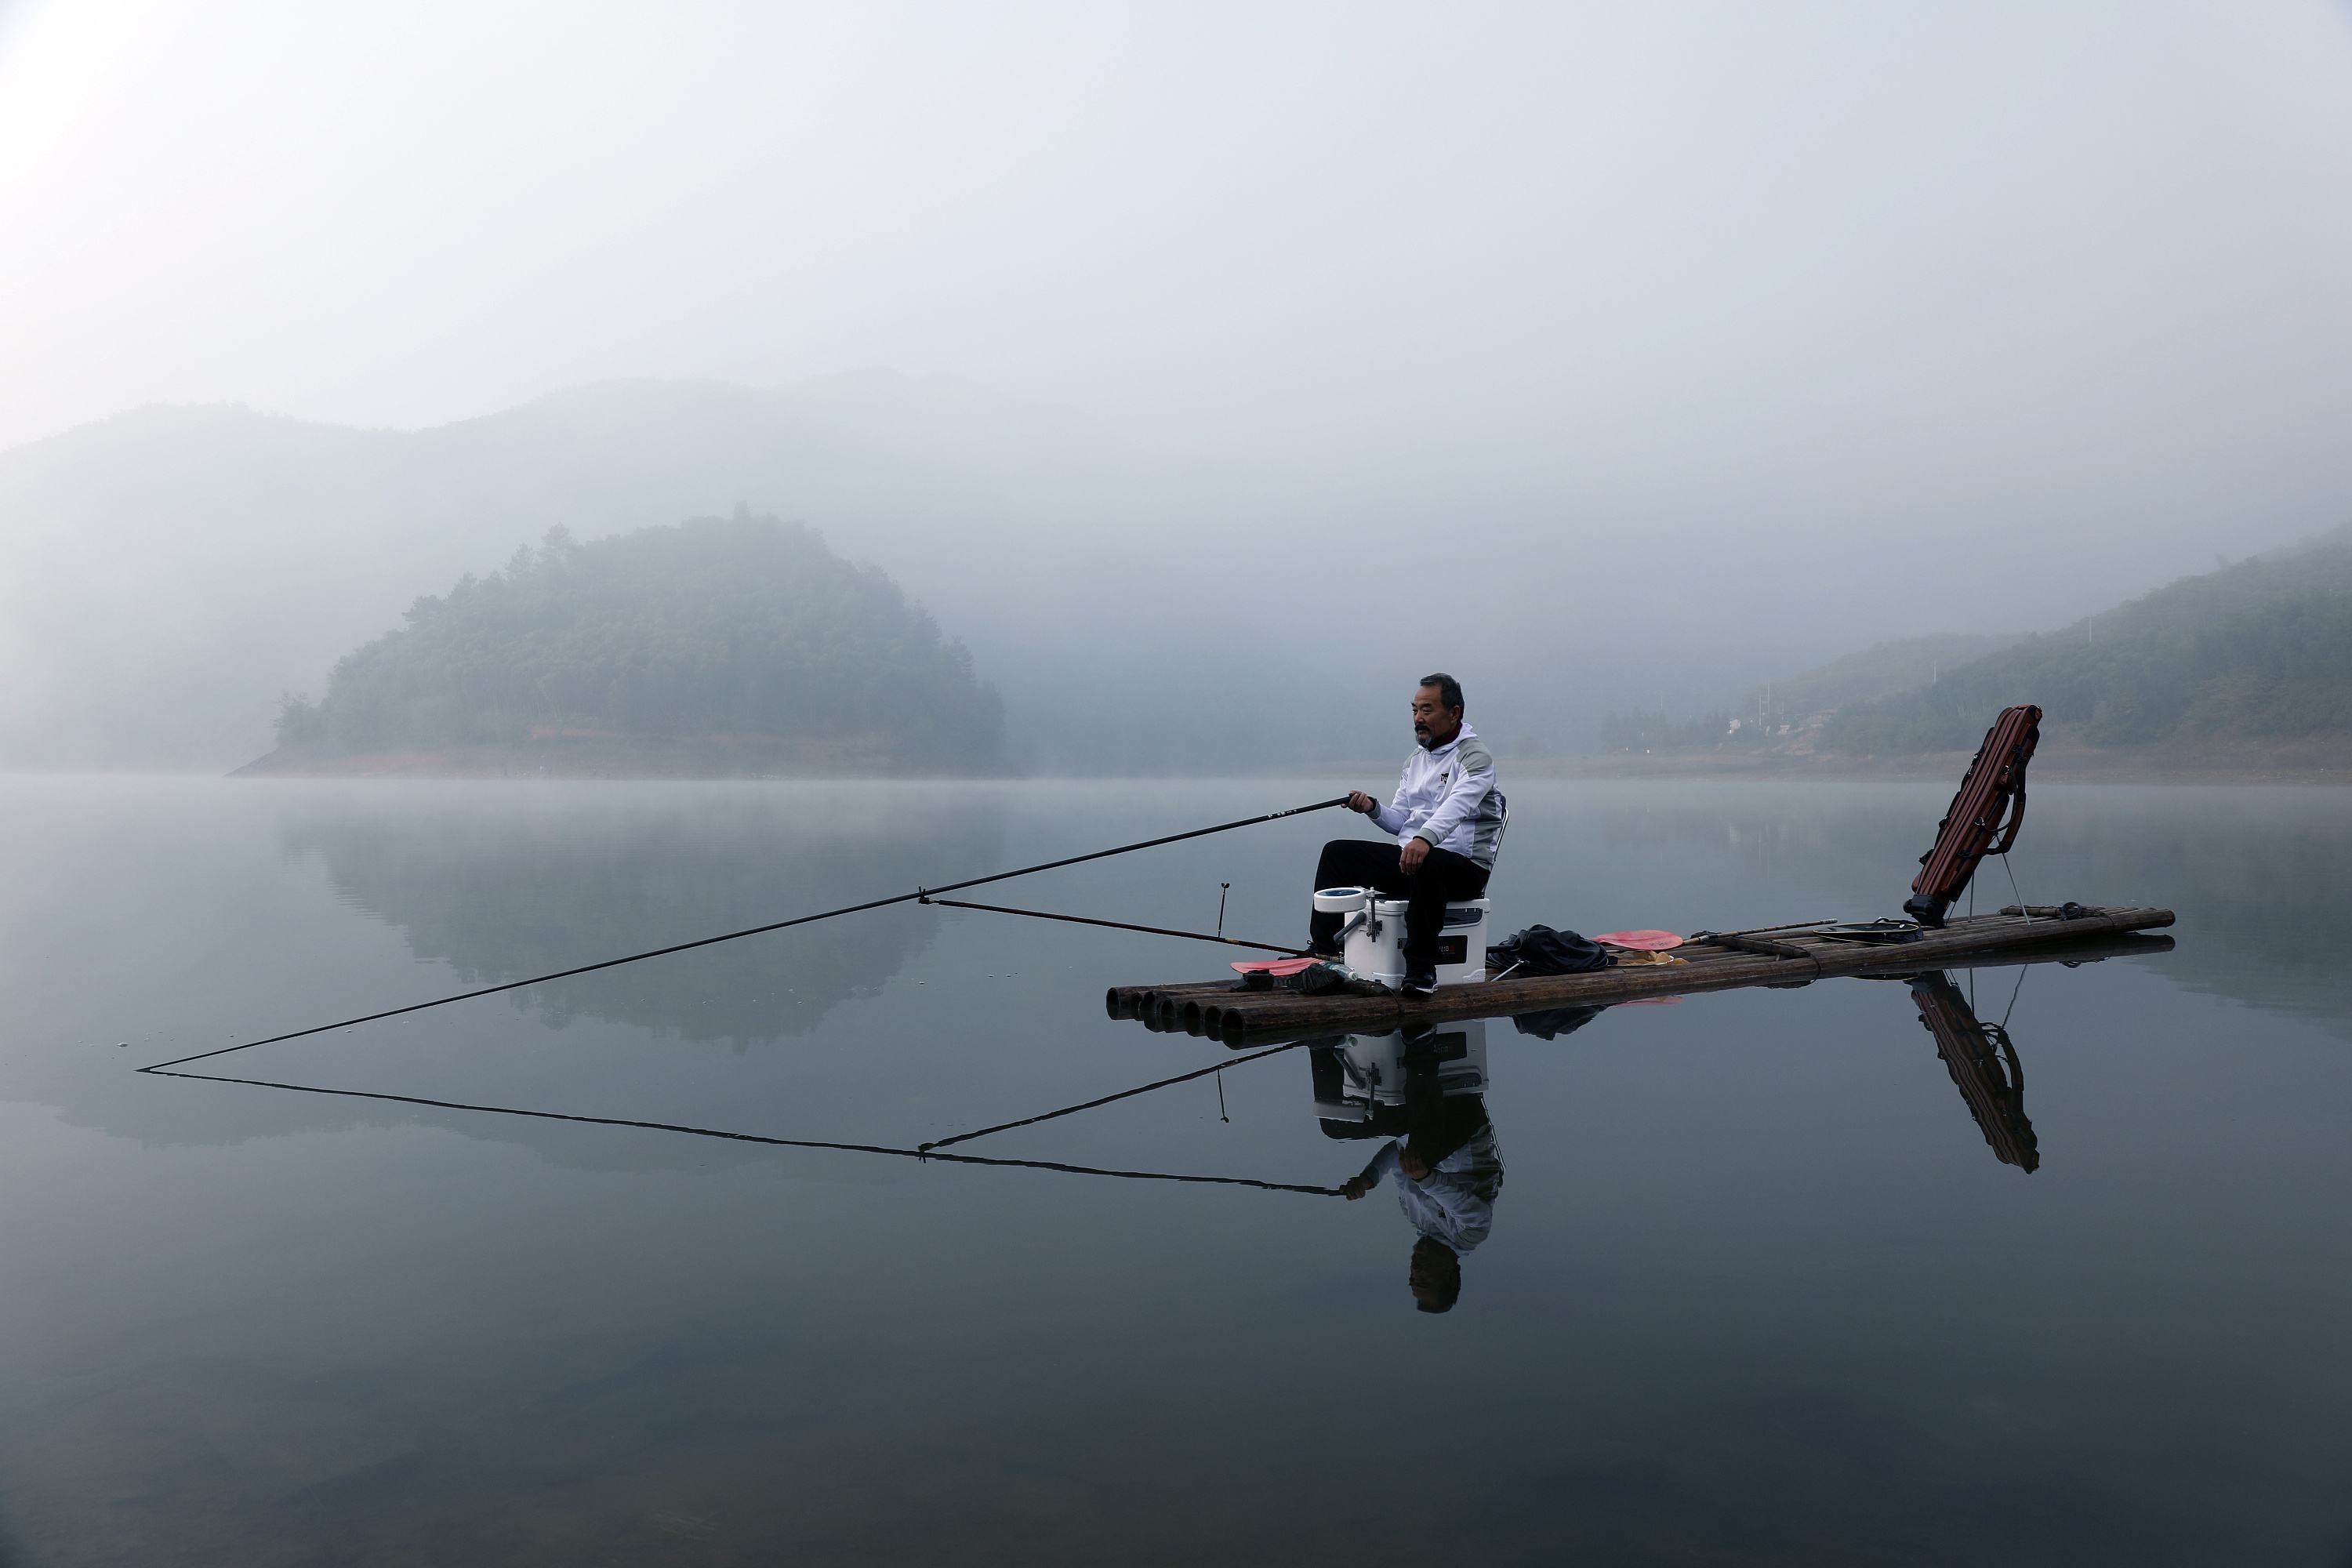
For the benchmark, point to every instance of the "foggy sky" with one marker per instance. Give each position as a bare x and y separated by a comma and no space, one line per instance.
1514,235
1745,290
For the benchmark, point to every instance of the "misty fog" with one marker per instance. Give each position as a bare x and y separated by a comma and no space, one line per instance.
1211,371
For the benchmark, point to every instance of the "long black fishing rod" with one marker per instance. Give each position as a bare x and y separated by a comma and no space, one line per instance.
923,1154
916,896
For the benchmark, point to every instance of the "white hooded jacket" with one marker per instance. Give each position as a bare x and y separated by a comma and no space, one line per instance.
1448,797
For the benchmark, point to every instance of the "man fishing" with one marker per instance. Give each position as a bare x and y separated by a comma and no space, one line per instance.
1447,817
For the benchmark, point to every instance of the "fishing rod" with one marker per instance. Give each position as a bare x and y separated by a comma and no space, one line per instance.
918,895
1759,930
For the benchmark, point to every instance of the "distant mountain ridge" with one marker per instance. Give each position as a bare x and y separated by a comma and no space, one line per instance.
2261,649
1881,670
2251,663
165,573
1787,714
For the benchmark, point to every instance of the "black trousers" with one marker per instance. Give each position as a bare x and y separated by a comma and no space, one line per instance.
1444,878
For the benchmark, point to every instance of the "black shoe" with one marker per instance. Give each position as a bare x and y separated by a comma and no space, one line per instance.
1421,983
1324,950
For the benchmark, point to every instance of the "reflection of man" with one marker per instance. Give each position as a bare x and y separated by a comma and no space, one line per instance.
1448,1172
1447,817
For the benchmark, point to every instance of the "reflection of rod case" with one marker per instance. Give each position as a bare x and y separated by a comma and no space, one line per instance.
1984,1065
1989,805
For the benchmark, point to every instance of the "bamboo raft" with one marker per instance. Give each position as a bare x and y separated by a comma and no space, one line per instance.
1217,1009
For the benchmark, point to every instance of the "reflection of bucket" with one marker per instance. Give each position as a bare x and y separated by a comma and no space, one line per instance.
1341,900
1360,1082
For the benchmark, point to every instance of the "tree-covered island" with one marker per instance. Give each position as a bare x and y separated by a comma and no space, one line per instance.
716,647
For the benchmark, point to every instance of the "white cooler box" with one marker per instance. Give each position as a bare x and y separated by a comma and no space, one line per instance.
1372,932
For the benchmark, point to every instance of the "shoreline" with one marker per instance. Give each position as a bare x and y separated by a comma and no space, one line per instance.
568,758
2316,767
2319,764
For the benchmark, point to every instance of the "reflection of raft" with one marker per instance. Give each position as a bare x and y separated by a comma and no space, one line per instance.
1236,1016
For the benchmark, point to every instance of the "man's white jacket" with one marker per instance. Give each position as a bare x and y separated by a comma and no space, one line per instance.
1448,796
1454,1202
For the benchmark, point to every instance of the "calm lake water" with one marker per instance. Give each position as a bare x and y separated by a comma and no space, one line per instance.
1756,1288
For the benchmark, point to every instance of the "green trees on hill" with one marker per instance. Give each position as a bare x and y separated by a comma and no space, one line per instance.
2261,648
743,630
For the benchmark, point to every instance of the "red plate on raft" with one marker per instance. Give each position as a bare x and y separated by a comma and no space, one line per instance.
1277,967
1642,941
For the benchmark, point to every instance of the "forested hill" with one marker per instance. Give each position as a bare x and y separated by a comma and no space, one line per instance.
2258,650
720,644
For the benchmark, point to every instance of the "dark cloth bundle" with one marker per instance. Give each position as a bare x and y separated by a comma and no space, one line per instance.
1539,950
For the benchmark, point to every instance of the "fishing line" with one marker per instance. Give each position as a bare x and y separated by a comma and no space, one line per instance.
2013,990
917,895
920,1154
1113,925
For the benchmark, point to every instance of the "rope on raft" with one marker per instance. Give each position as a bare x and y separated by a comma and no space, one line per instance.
918,895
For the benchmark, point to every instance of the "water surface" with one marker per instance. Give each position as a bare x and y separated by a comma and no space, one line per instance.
1756,1287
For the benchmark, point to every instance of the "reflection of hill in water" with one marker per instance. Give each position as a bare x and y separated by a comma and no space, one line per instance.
503,883
2254,874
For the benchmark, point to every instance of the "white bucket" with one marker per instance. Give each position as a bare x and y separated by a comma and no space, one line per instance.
1375,949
